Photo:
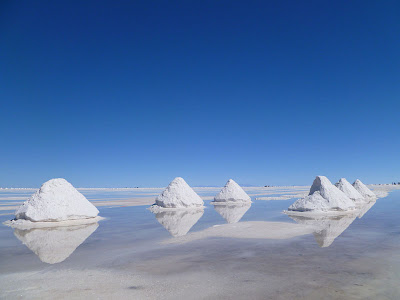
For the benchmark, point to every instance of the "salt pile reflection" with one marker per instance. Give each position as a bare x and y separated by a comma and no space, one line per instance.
328,227
178,222
232,213
55,244
363,210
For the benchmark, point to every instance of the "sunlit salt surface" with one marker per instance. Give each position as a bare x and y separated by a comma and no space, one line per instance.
223,252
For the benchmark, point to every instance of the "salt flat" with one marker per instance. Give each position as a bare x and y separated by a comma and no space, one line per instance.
262,254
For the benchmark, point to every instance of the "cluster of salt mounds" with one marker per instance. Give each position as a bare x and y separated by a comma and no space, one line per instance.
56,200
232,192
179,194
349,190
55,244
363,190
178,222
323,196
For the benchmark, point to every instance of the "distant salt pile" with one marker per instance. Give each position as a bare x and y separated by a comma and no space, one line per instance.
232,192
363,190
179,194
56,200
323,196
232,213
349,190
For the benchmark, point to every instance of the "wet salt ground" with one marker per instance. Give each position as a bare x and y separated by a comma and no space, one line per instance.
126,257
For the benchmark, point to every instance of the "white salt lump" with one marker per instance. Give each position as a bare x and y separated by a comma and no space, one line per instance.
323,197
56,200
349,190
232,192
363,190
179,194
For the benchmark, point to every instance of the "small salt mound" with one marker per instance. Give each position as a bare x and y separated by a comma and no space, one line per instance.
232,192
179,194
363,190
179,222
56,200
323,196
349,190
54,245
232,213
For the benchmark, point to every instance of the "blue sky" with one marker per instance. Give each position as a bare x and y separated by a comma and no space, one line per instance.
136,93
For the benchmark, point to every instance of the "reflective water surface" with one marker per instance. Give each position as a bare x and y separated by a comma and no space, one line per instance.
222,252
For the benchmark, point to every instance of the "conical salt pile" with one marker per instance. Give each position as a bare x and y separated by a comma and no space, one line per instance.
349,190
363,190
323,196
56,200
179,194
232,192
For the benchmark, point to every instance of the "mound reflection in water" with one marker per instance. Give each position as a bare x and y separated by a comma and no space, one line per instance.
327,228
54,245
179,222
232,213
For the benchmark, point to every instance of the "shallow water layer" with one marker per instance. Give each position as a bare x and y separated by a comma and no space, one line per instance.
225,252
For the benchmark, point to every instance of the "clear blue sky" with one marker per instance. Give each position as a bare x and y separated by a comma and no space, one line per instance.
135,93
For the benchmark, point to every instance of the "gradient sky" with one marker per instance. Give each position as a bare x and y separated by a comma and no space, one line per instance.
135,93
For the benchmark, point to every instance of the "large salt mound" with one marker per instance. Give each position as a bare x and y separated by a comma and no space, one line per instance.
179,222
323,196
349,190
55,244
232,192
179,194
56,200
363,190
232,213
